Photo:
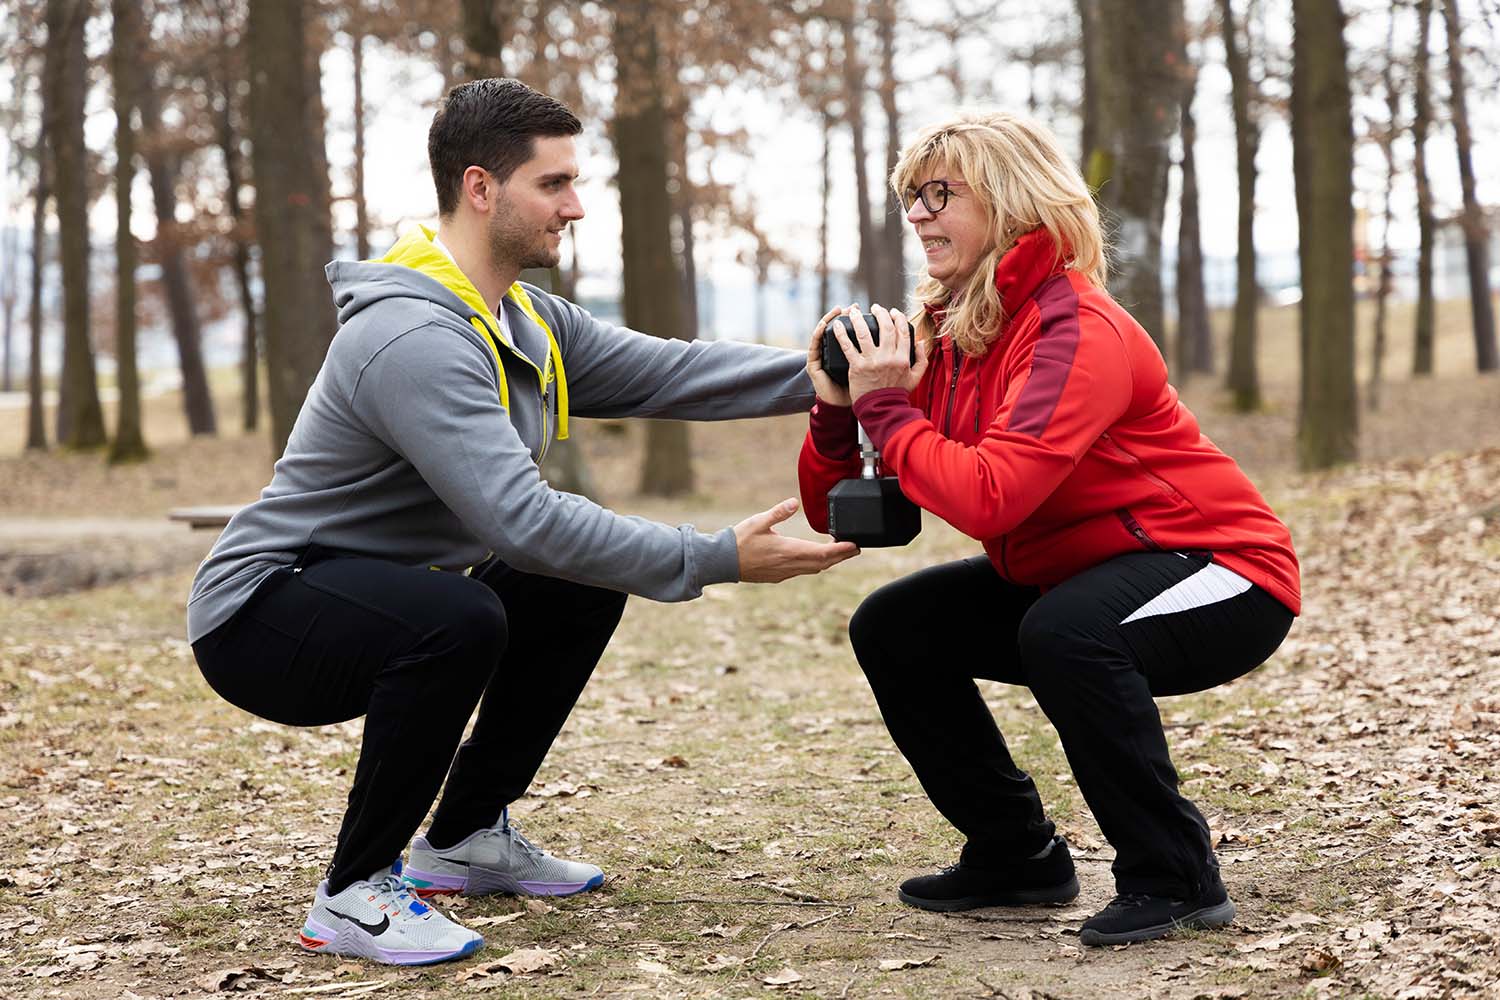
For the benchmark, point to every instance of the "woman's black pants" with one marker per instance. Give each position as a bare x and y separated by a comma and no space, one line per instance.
414,651
922,639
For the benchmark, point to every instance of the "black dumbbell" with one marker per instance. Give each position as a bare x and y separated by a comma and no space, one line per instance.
871,511
834,362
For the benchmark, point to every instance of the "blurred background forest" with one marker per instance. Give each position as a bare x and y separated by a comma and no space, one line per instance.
177,174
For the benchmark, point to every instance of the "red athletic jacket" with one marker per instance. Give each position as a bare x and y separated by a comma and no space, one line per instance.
1061,447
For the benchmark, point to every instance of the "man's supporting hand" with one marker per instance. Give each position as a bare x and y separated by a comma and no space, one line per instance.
766,557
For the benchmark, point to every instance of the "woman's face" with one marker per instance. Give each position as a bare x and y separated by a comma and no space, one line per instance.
957,236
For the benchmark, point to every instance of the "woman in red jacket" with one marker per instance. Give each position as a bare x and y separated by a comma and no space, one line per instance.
1126,557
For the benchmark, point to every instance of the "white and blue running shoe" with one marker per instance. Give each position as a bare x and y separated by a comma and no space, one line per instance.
497,859
381,919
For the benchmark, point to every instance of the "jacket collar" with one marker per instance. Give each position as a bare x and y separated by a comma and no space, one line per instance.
1020,272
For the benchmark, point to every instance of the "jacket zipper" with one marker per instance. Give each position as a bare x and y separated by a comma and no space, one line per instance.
952,392
545,394
1140,466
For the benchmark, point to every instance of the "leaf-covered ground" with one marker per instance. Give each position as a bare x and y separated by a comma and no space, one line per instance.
729,770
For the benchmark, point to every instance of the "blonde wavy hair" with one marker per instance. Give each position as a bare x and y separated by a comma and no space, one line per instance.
1023,182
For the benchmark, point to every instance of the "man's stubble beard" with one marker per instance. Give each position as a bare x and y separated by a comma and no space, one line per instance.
511,244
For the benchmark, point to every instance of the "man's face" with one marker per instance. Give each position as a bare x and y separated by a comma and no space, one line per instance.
535,205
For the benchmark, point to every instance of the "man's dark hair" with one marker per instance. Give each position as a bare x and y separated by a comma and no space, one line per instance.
491,124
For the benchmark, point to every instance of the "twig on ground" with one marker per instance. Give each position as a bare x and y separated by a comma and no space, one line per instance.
789,893
844,993
733,902
793,927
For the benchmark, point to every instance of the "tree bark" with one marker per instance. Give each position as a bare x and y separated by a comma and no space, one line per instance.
250,341
1243,380
1386,141
129,444
1323,164
823,290
1088,34
9,276
854,95
36,422
483,43
361,210
1423,339
652,286
892,290
80,417
1194,339
291,205
1138,74
1476,232
197,403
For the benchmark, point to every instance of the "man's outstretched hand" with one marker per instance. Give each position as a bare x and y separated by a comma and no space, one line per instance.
766,557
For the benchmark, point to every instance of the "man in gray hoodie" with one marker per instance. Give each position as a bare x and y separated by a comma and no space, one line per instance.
418,450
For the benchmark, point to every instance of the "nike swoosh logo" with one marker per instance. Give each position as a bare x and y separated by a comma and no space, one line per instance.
374,930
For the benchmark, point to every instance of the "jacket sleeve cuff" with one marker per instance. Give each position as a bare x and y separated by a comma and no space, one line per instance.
833,431
882,412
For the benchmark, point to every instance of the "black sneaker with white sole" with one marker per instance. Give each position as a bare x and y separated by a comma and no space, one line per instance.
1139,917
1049,879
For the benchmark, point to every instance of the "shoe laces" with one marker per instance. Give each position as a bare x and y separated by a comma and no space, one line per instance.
519,839
392,885
1128,901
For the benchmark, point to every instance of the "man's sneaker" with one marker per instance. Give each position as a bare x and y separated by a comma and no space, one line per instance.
1138,917
967,886
381,919
497,859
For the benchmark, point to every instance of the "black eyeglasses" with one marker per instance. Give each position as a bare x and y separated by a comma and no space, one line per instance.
934,195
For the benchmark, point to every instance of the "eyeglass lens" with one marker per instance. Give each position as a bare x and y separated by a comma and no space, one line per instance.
934,195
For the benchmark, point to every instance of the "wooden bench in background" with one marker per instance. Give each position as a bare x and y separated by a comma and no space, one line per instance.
214,517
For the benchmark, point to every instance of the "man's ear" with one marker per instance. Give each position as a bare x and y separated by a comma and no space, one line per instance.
478,189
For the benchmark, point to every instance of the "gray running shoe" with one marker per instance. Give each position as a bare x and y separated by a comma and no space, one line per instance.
381,919
497,859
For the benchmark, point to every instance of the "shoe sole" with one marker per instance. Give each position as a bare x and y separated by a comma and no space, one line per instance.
1049,896
488,882
1208,917
355,943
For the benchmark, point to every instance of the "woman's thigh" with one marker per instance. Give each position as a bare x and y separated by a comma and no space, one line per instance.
958,617
1186,624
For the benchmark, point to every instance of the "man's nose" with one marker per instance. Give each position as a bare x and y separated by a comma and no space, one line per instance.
572,207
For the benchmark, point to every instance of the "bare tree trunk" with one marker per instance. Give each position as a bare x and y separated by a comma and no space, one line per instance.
129,444
1194,339
10,274
1088,33
1423,346
36,422
361,210
1138,88
197,403
1243,380
1323,164
892,291
854,95
291,206
1386,141
80,417
1476,233
482,41
823,290
682,204
652,300
250,342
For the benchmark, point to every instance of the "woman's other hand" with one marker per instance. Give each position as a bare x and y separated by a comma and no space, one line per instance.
827,389
887,366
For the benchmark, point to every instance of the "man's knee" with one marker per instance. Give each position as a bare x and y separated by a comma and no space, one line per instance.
875,626
478,621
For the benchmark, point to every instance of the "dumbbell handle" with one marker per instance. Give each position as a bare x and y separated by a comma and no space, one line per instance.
867,453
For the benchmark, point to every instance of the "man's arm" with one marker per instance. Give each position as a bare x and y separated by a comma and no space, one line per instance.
614,371
436,405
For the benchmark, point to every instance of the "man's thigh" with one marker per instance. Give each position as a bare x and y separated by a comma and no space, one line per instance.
307,647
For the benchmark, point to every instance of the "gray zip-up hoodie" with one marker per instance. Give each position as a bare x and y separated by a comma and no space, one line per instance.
402,450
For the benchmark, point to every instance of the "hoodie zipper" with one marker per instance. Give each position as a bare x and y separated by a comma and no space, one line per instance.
546,393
